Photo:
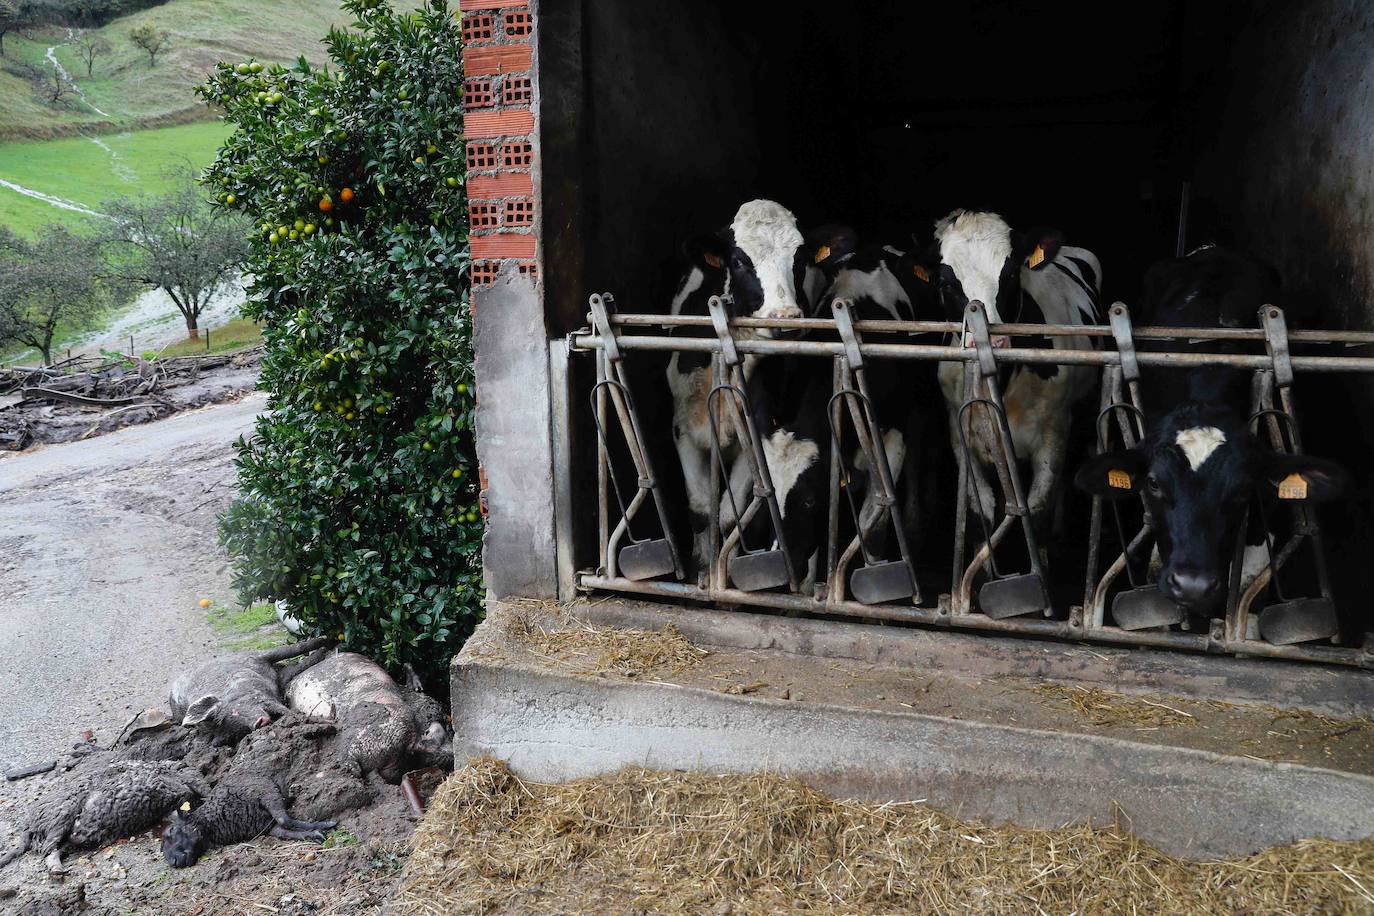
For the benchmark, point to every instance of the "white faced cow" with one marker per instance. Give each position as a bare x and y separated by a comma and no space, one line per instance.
770,270
1020,277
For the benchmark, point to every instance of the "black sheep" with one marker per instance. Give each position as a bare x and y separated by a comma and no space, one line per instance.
251,799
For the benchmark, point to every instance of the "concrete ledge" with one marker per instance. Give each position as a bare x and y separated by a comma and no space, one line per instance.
1331,690
552,725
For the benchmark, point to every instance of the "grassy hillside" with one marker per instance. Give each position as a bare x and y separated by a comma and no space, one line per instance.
134,95
88,171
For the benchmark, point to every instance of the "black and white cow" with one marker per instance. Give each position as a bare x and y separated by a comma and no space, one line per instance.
1200,465
1023,278
885,283
770,270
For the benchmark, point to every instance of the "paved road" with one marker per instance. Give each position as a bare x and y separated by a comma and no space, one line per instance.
106,546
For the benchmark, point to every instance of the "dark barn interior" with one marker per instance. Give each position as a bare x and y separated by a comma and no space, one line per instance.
657,120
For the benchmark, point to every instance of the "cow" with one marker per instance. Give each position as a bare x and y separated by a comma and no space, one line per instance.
1027,277
769,269
790,396
1200,466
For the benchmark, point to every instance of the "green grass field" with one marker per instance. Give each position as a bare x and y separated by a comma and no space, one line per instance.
91,171
239,334
130,92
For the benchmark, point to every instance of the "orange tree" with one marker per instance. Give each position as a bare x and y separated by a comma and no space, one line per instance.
358,506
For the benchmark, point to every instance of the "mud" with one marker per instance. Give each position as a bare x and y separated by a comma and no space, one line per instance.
350,874
32,423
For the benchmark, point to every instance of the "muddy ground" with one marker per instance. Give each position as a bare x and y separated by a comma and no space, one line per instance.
106,548
350,874
224,378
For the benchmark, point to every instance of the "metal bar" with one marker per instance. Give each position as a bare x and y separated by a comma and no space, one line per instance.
1021,625
1009,329
1031,356
837,382
603,526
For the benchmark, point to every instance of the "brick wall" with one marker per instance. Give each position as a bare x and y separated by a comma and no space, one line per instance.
499,123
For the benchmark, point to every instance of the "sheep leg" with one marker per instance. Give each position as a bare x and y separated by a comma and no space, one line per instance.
54,863
283,833
277,808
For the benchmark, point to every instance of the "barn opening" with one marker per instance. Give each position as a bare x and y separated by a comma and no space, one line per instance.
656,122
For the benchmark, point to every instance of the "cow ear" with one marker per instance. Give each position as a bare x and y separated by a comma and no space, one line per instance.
204,708
709,252
1038,247
1113,474
830,244
923,266
1304,478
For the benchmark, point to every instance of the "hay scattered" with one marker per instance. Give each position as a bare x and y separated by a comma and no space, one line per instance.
677,842
610,650
1107,709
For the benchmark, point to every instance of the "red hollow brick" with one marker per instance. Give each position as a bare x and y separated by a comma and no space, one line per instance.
483,125
465,5
492,59
503,245
511,184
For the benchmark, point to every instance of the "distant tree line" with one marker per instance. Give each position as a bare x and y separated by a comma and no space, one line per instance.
85,14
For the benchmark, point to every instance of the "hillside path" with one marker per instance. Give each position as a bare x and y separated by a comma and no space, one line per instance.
106,546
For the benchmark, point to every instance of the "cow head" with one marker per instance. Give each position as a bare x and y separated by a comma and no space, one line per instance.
976,255
885,283
766,265
1197,473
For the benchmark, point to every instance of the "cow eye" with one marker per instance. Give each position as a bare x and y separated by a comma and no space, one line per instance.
1152,483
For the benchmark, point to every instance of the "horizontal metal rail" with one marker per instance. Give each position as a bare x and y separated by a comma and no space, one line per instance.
1014,355
1348,338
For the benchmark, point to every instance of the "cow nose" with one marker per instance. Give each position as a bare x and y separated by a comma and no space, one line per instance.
1189,587
784,311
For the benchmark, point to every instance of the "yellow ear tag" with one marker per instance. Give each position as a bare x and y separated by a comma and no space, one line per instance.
921,273
822,253
1118,480
1294,486
1037,256
185,806
711,259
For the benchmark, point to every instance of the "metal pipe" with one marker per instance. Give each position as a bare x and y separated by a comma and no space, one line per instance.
1028,626
1009,329
1031,356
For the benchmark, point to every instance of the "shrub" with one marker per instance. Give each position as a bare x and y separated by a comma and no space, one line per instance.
358,504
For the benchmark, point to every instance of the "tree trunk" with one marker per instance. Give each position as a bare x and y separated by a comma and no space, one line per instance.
192,328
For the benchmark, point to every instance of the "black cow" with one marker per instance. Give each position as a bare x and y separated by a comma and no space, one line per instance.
1200,465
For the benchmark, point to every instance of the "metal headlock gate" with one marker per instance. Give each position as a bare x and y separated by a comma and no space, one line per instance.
1302,628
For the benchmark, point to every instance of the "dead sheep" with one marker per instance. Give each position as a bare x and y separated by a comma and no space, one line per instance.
234,694
102,802
381,725
253,796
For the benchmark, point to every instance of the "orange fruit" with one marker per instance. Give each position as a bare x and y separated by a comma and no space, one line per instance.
346,195
205,602
326,205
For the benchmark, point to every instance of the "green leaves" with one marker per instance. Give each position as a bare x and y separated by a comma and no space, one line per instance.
349,509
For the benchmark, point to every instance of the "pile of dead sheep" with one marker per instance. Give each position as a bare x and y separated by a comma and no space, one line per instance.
250,747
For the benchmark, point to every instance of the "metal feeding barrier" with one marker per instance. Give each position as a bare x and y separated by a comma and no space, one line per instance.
982,593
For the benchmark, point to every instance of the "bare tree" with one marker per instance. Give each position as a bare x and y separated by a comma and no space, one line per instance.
14,15
89,46
177,243
48,83
152,40
52,282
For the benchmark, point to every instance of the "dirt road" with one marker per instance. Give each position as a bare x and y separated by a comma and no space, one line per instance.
106,546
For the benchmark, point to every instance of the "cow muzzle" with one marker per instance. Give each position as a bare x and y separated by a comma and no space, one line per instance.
1190,588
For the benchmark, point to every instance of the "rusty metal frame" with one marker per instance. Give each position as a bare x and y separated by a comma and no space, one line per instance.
1121,399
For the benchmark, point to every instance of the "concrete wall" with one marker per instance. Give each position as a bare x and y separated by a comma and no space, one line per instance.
1287,143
